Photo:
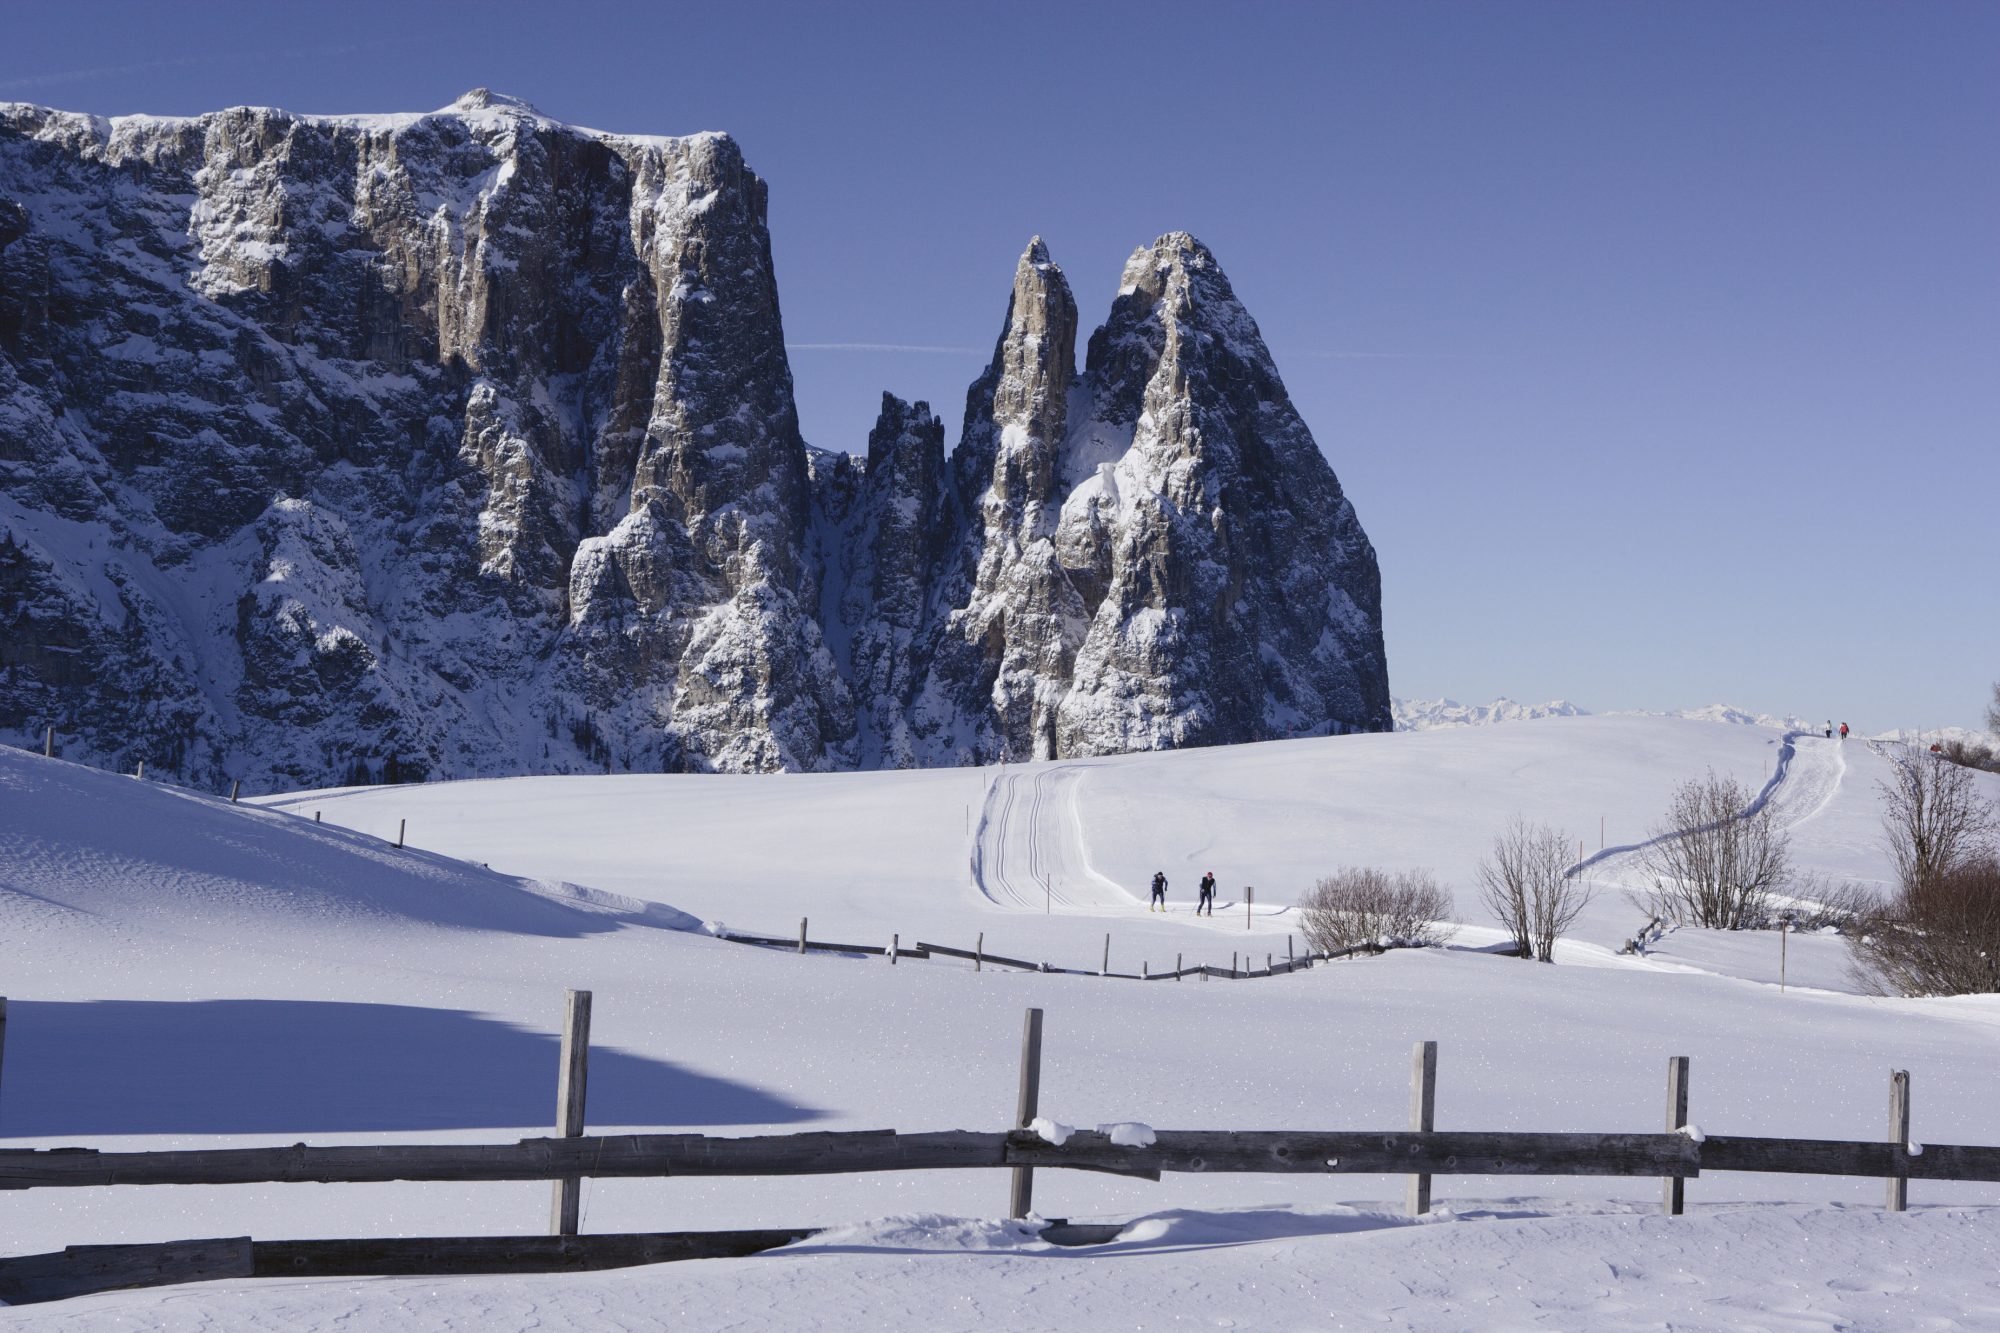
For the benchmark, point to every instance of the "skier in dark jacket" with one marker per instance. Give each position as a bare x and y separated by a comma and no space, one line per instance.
1159,892
1207,899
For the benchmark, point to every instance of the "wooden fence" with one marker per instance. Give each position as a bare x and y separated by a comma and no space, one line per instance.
1672,1156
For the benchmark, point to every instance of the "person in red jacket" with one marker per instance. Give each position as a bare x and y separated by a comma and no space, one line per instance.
1843,731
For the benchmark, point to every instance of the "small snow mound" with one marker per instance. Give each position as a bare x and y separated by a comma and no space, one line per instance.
1128,1134
1913,1148
1051,1131
929,1231
1693,1132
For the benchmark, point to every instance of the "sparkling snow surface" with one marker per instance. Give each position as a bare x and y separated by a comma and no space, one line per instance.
181,972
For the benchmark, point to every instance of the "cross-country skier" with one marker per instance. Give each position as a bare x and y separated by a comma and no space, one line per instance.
1207,894
1159,892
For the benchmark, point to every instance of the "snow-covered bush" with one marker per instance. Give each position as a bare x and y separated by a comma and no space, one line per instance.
1531,888
1386,909
1717,857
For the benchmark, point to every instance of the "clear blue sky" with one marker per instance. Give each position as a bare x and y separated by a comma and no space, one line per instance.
1658,345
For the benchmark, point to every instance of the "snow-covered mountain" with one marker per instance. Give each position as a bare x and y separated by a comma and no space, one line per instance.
1431,714
464,443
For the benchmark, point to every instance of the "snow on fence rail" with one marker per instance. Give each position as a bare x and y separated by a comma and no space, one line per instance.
1679,1153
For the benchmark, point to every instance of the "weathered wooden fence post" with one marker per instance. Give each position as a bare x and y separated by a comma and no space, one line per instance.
1232,964
235,786
1106,968
802,934
895,946
1674,1191
1423,1116
1027,1105
1249,897
1267,963
315,816
1899,1134
402,827
979,953
49,743
1177,967
1290,957
570,1083
142,770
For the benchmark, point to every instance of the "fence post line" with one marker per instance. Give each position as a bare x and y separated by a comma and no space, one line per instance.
802,934
1027,1105
1423,1117
1673,1193
575,1073
979,953
1899,1134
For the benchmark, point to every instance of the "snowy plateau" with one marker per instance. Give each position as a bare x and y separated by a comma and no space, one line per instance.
382,448
437,476
184,972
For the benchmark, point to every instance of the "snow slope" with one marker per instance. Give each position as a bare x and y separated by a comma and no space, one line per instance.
336,988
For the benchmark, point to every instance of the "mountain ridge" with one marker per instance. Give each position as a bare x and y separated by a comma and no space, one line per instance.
456,443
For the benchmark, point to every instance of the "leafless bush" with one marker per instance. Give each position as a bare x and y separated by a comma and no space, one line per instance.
1714,861
1365,906
1933,817
1812,903
1528,886
1971,754
1937,936
1993,709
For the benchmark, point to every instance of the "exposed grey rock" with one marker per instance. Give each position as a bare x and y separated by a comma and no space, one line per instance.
336,448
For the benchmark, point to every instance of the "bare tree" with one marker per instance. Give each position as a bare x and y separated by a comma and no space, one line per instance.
1993,709
1530,887
1365,906
1937,936
1715,860
1932,816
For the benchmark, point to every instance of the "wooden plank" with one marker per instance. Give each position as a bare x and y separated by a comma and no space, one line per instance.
1081,1233
1673,1189
83,1269
424,1256
1423,1116
571,1081
1021,1194
833,1153
1837,1157
1021,963
1898,1192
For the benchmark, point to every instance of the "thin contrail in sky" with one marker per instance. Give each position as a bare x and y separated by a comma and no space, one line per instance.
59,77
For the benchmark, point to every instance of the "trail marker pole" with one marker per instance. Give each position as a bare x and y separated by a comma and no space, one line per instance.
1249,897
235,787
402,827
49,743
1021,1197
1423,1117
1290,957
802,934
315,816
570,1083
142,770
1783,933
1899,1134
1674,1191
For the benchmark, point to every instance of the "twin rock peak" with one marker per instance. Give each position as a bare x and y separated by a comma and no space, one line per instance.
498,470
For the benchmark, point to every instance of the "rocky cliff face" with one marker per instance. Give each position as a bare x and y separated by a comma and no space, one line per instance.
455,444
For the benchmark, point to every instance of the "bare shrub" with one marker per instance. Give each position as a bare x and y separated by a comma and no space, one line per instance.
1715,862
1932,816
1993,709
1528,885
1813,903
1937,936
1971,754
1365,906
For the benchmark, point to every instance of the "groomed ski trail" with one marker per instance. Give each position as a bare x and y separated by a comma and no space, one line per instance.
1028,849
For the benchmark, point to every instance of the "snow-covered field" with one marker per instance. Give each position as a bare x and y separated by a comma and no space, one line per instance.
185,972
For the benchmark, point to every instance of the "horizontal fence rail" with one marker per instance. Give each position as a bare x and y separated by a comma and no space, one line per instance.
1443,1153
